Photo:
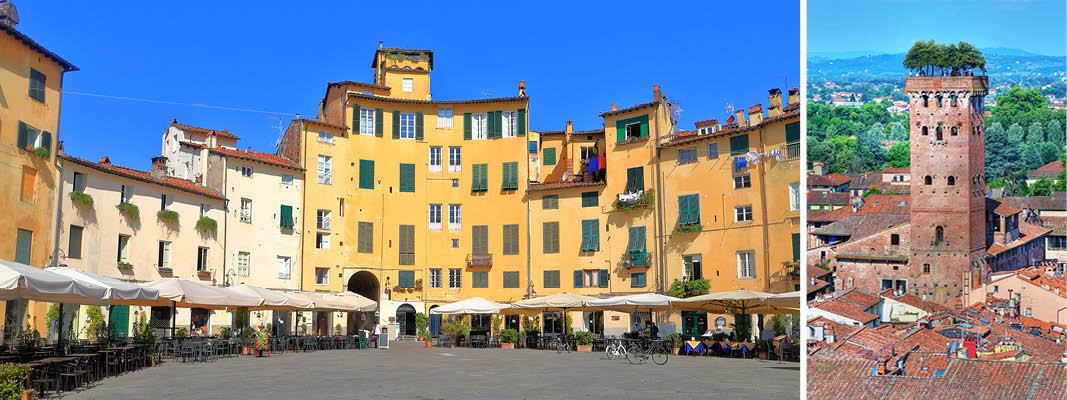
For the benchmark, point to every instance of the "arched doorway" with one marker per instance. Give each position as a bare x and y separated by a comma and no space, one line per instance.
435,323
405,320
365,284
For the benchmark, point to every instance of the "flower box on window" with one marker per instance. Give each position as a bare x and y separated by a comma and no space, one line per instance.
688,228
205,224
80,198
167,216
631,201
129,210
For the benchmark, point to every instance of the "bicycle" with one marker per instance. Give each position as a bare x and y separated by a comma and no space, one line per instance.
562,343
656,350
616,349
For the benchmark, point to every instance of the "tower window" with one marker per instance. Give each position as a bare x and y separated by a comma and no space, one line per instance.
952,181
939,235
939,101
926,101
955,131
926,268
939,135
953,100
925,131
928,180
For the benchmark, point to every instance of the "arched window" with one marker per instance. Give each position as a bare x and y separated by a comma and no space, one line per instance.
939,135
953,99
926,268
925,131
952,181
939,101
939,235
928,180
955,131
926,101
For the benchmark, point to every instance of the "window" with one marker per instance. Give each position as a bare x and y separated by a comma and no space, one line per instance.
633,130
407,244
455,217
746,264
435,217
927,180
285,267
37,85
341,208
925,131
79,182
479,126
742,181
739,145
405,279
590,199
246,171
366,121
551,237
366,174
590,235
637,280
636,244
689,209
124,249
480,178
511,239
455,243
126,195
480,239
1057,242
23,246
926,269
480,279
435,158
455,161
29,184
551,279
365,237
74,244
550,202
322,276
325,137
242,263
322,240
952,181
692,267
407,126
713,150
549,155
163,258
322,219
204,208
455,278
201,259
510,120
510,179
955,131
165,202
939,235
246,210
444,118
435,278
794,196
635,179
587,152
533,147
287,180
686,156
408,85
743,214
325,170
511,279
591,278
894,240
407,178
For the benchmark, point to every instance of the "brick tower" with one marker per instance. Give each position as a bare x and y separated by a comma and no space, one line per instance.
948,240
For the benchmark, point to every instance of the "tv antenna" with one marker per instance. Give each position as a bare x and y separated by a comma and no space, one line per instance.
281,130
729,108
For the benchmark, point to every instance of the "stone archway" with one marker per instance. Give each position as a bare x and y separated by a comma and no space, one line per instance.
365,284
405,320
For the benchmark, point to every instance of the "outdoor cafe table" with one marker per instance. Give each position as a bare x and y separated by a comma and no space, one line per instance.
95,357
694,346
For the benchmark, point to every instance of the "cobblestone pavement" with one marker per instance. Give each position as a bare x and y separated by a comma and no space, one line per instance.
409,371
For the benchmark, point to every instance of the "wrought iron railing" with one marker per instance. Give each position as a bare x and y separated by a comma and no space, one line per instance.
479,260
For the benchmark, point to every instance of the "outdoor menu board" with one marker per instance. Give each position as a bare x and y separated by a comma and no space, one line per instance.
383,339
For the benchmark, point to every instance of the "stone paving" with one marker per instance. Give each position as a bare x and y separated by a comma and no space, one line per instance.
409,371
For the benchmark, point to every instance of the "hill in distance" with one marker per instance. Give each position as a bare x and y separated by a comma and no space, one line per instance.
1000,61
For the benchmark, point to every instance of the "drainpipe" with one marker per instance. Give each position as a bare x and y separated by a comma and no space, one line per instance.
766,233
661,268
226,212
303,200
529,228
58,178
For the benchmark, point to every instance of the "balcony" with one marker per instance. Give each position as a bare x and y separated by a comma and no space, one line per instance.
634,200
636,259
792,151
479,260
792,270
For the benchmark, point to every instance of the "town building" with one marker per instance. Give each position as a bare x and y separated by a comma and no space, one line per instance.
32,80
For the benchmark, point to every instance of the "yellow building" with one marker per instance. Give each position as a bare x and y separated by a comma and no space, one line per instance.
31,86
424,198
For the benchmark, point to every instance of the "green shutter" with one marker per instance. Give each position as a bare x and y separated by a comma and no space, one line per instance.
23,139
550,202
119,320
355,119
792,132
484,179
480,177
286,216
590,235
511,239
578,278
683,210
550,155
23,243
366,174
551,279
365,241
510,179
637,239
637,279
551,237
521,126
603,278
590,199
407,245
396,124
406,279
506,175
480,279
407,178
418,126
635,179
379,122
620,127
46,140
466,126
796,247
694,209
511,279
480,239
689,209
620,131
644,126
739,145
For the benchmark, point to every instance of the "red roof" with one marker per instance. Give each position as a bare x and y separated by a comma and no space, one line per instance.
180,184
822,197
885,204
897,170
203,131
1027,232
265,158
916,301
1050,170
828,180
847,310
861,299
706,123
831,216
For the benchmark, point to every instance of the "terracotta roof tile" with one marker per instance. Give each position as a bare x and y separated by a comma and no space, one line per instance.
847,310
885,204
540,187
822,197
829,216
1027,232
828,180
889,170
144,176
265,158
203,131
859,298
1050,170
628,109
730,129
411,101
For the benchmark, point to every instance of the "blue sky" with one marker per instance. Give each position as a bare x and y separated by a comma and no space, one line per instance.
892,26
576,59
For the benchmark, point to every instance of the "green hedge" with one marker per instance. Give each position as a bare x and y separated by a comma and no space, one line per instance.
13,380
81,198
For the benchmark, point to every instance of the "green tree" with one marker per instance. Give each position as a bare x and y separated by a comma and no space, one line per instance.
1060,185
843,154
899,156
1043,187
897,131
1036,133
1017,134
1054,131
1049,151
1031,157
1001,152
870,155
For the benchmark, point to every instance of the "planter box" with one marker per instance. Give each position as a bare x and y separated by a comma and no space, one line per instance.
585,348
762,355
429,344
507,345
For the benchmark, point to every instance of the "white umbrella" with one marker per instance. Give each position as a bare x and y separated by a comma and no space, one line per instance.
475,305
23,282
273,300
189,294
556,302
119,292
739,301
644,301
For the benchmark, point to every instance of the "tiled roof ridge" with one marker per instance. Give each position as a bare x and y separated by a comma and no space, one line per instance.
145,176
729,129
412,101
205,131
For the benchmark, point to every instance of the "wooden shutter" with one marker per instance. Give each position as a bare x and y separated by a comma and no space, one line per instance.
119,320
466,126
379,122
511,279
550,156
603,275
644,125
406,279
694,208
505,174
407,177
46,141
355,119
418,126
286,216
23,139
23,246
641,238
484,177
480,239
594,234
792,132
366,174
521,125
590,199
511,239
396,124
637,279
365,240
739,145
578,278
620,130
796,247
683,210
407,245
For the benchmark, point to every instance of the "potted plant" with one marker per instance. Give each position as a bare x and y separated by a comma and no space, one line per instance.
145,335
508,338
675,339
761,348
245,335
585,341
167,217
13,381
262,345
81,198
206,224
337,329
129,210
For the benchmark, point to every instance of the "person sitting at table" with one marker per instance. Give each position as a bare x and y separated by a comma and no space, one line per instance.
655,331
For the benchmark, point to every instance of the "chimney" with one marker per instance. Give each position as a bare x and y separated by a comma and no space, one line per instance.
740,118
794,96
212,141
522,88
755,114
731,120
774,97
8,15
614,107
883,367
379,45
159,167
104,160
656,95
570,126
